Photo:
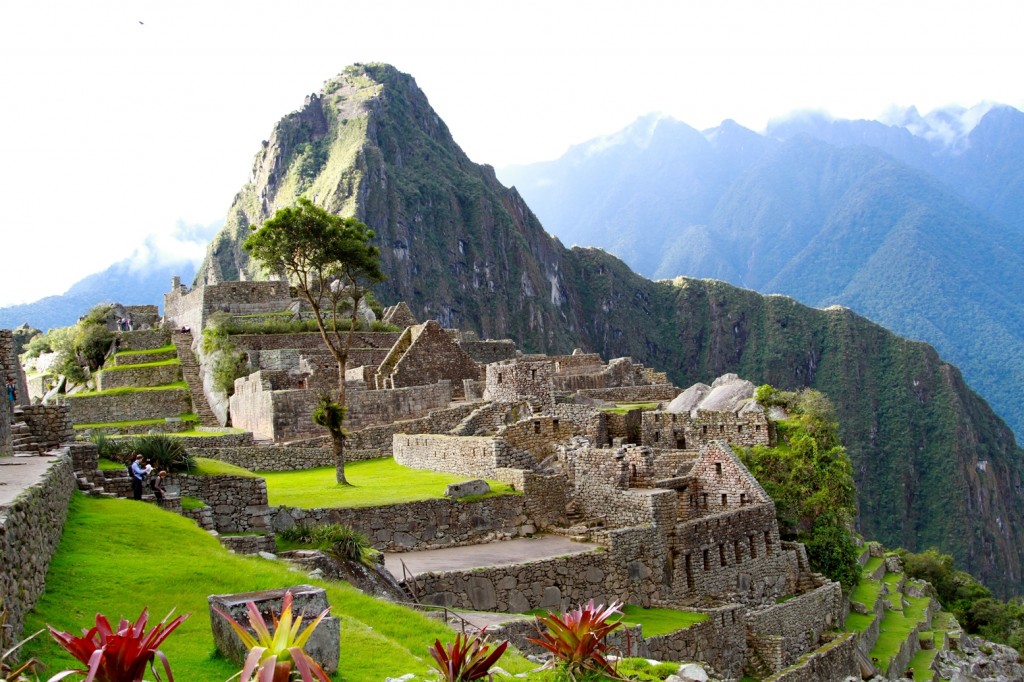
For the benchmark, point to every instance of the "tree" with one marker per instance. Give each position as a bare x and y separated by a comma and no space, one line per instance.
333,264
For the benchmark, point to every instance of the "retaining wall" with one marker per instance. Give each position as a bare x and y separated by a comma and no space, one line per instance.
158,375
833,661
428,524
90,409
30,530
277,458
466,455
633,394
50,424
794,627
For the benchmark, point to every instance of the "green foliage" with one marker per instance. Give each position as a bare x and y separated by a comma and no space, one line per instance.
468,658
23,336
203,466
329,414
809,475
38,345
114,449
11,670
275,649
164,451
577,639
92,341
970,601
228,363
341,542
120,655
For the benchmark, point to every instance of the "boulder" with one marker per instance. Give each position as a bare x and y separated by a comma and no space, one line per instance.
467,488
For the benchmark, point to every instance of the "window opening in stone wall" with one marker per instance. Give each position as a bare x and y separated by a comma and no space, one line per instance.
533,375
680,442
753,547
689,573
657,418
704,429
736,551
536,427
704,500
721,553
743,499
554,424
721,428
707,561
725,500
739,428
632,472
718,468
767,543
757,427
670,567
733,616
499,377
657,436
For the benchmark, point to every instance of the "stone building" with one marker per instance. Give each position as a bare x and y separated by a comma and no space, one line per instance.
425,354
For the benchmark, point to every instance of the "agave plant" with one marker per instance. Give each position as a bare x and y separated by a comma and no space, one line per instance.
118,655
577,639
273,653
468,658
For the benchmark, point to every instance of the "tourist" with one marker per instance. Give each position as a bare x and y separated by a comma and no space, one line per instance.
157,486
138,473
12,391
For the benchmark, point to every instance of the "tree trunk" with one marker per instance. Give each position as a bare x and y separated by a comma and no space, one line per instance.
338,446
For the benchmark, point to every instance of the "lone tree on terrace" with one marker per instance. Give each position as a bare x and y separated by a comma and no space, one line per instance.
333,264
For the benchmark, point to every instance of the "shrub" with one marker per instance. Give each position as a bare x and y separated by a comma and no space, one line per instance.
272,653
114,449
8,672
118,655
166,452
341,542
577,639
468,658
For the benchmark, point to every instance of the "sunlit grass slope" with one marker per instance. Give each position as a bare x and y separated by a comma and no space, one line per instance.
117,556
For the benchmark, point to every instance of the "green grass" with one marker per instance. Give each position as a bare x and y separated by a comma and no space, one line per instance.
660,621
169,348
921,663
187,417
214,467
858,622
895,629
374,482
192,502
193,433
117,556
866,592
125,390
623,408
892,581
156,363
872,564
110,465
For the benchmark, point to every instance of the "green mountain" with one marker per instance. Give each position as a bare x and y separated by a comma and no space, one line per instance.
934,465
918,226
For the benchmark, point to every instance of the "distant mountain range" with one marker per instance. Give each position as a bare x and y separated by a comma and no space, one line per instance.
917,223
141,279
934,465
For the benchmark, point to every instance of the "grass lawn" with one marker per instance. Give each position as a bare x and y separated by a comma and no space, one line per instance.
117,556
895,628
124,390
155,363
660,621
169,348
872,564
866,592
374,482
858,622
623,408
110,465
187,417
215,467
921,663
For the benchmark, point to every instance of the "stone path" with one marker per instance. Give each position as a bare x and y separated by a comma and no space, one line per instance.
491,554
18,473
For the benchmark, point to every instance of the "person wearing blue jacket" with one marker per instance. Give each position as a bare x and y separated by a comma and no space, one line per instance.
138,472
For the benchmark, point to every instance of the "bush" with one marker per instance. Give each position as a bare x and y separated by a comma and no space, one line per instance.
165,452
114,449
341,542
228,363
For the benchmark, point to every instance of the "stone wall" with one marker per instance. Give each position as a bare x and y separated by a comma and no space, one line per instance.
10,368
586,421
88,408
721,641
486,352
537,435
735,553
160,375
515,380
794,627
545,495
430,356
192,308
376,441
277,458
239,504
465,455
287,414
652,393
834,661
428,524
30,530
146,339
722,483
50,424
249,544
309,341
680,430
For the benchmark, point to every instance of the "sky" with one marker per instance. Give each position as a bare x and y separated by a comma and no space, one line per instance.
128,121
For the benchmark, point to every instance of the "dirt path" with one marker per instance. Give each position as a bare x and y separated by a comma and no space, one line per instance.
18,473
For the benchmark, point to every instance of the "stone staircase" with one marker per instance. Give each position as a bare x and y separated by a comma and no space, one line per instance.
25,444
578,527
191,373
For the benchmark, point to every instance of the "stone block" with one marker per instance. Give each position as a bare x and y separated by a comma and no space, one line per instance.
467,488
323,646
